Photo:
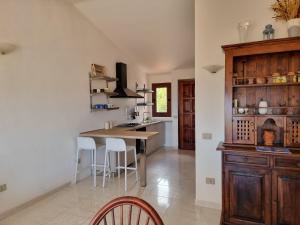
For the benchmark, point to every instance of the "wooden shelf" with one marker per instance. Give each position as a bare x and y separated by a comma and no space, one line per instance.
273,107
146,91
103,77
265,85
104,93
145,104
97,74
110,109
266,115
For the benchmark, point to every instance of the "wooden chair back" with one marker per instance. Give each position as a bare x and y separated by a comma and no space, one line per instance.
127,210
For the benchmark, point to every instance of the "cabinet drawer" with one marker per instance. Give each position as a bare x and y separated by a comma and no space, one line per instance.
287,163
246,159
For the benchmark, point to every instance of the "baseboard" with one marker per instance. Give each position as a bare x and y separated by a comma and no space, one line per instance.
32,201
206,204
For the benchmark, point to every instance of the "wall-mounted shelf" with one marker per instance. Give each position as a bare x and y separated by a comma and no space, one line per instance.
144,90
100,110
145,104
103,77
104,93
97,74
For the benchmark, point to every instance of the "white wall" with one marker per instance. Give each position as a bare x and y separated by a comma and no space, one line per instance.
173,77
44,94
216,24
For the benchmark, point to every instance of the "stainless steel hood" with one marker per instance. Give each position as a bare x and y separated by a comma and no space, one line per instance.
121,89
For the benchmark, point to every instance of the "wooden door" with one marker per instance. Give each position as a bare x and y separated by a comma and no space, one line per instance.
247,195
286,197
243,130
186,110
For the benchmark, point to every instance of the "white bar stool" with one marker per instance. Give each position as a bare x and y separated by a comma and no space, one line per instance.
89,144
118,145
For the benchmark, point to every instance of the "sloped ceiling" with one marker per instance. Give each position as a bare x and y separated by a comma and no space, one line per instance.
159,34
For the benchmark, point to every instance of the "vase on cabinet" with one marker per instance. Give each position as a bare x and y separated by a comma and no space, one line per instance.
243,29
294,27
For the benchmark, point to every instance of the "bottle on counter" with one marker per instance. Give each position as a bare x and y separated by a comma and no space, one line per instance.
107,125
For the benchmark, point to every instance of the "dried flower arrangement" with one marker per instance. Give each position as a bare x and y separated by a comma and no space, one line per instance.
286,9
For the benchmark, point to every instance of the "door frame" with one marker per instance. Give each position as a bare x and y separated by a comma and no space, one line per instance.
178,109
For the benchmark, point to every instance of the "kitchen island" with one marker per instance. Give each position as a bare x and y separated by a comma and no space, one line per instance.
130,133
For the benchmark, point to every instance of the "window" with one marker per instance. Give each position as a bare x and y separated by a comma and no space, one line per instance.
161,98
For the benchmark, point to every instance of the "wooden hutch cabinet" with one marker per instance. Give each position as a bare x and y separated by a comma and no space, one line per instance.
261,151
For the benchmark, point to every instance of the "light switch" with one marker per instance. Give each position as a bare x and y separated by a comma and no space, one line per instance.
207,136
3,187
210,180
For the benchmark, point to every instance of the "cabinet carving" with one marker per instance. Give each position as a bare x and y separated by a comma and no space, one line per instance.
243,130
293,131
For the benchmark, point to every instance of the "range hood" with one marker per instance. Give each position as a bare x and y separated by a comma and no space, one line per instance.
121,89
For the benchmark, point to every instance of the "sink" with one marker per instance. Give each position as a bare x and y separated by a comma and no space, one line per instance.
151,121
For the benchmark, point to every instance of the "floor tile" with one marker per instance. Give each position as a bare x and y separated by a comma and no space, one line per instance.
170,190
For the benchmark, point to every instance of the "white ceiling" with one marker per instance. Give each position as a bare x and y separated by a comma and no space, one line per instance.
159,34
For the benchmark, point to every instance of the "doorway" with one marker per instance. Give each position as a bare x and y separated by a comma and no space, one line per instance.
186,114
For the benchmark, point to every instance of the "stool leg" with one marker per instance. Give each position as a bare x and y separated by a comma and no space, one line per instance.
94,167
92,163
125,170
104,170
108,162
76,167
118,164
136,166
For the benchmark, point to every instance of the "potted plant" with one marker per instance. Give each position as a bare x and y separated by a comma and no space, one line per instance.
289,11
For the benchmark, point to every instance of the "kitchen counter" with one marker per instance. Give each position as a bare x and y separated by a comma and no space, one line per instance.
123,132
145,137
119,133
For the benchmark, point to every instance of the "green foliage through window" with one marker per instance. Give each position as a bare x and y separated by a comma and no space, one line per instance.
161,100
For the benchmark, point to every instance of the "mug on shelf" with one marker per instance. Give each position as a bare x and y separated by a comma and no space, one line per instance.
241,110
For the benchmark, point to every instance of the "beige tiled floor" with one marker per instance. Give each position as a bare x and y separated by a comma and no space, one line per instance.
170,189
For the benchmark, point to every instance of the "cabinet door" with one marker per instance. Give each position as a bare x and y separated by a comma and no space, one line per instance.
293,131
286,198
247,196
243,131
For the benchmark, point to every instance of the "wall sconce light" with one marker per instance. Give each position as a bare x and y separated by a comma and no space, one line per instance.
213,68
6,48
